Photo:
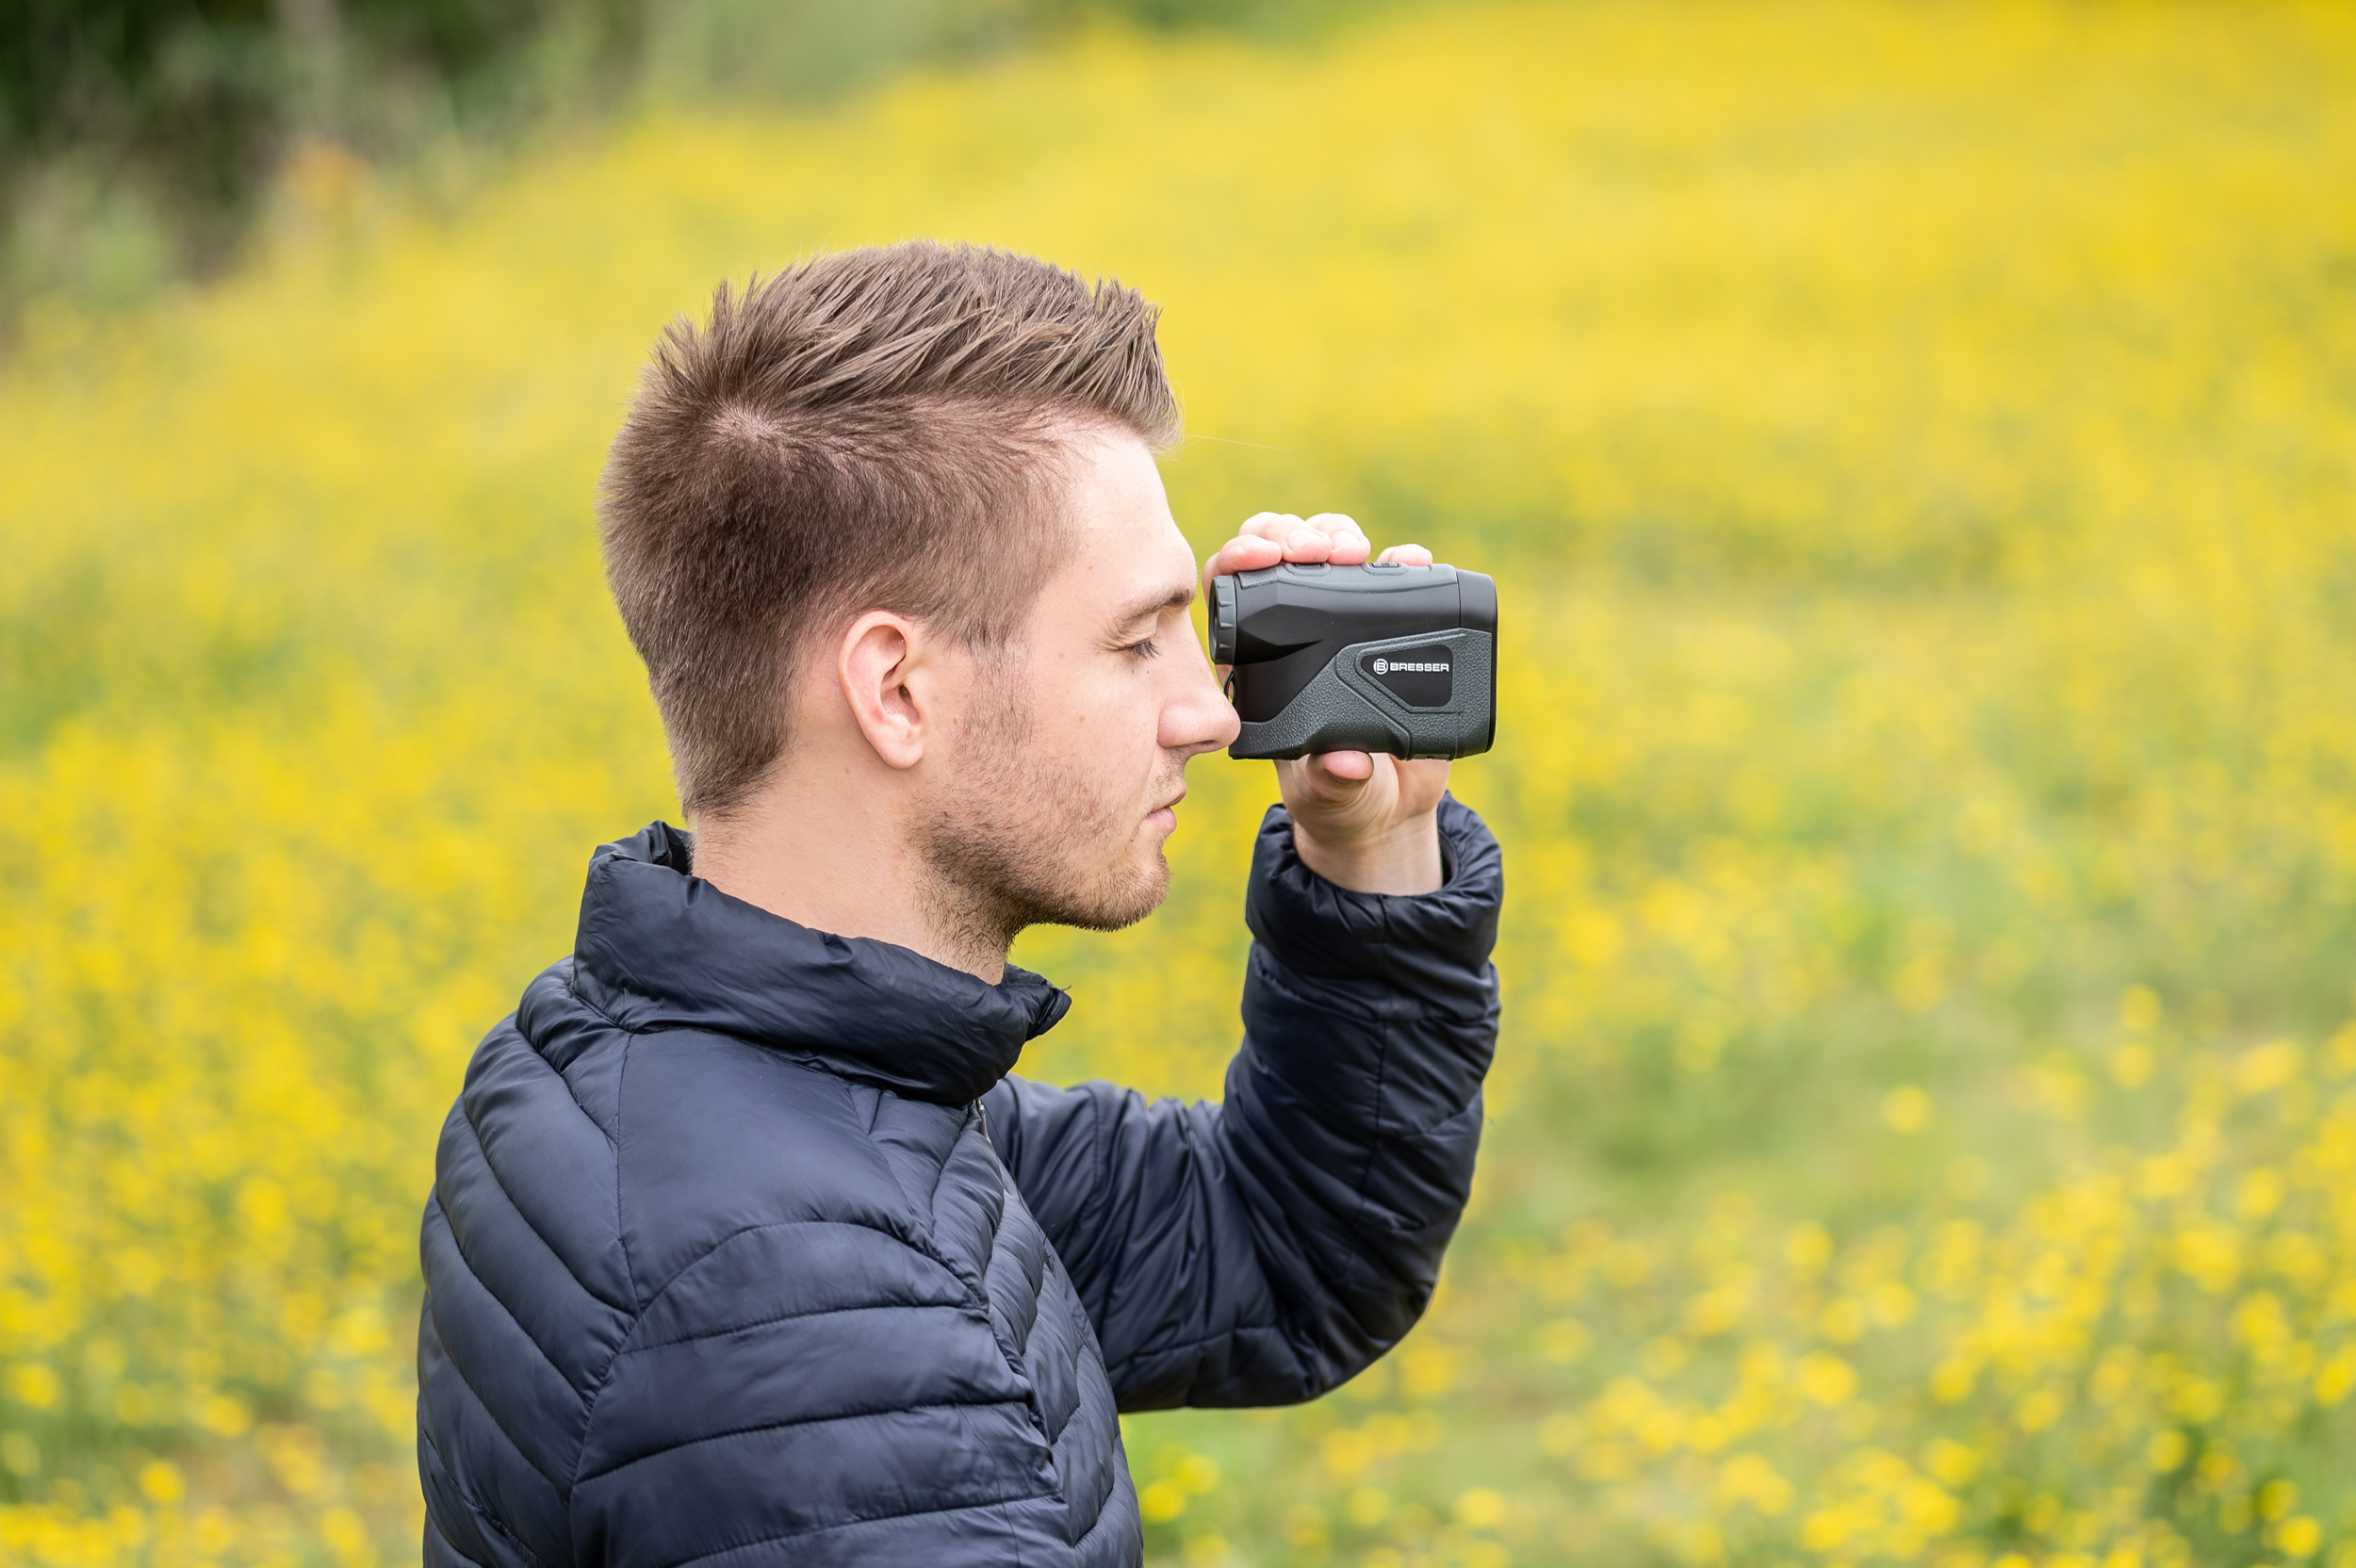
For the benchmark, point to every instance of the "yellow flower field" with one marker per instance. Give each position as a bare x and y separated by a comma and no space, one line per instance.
1916,446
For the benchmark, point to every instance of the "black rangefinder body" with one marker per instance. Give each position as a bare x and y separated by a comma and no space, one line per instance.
1374,658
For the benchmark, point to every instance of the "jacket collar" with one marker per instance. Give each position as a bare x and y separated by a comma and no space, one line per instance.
659,948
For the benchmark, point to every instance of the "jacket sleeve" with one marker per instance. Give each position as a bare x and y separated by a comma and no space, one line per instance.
1266,1249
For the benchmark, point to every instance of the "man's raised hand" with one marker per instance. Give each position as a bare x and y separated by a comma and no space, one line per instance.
1369,822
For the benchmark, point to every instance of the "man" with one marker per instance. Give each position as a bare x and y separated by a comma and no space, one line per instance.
743,1249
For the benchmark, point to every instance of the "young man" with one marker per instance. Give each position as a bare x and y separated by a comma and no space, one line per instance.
744,1248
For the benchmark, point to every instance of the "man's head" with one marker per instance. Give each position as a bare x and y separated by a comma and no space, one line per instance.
905,499
873,428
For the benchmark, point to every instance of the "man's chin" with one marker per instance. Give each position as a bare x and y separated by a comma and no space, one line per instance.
1117,904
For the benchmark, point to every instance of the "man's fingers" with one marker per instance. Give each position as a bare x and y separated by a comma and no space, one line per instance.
1270,525
1244,555
1350,544
1346,541
1268,537
1331,537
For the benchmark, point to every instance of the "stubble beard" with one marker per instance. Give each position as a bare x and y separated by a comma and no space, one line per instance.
1024,842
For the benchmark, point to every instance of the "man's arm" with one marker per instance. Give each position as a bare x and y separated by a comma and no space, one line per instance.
1264,1250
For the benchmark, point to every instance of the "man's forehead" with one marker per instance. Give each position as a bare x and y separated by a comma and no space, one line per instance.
1123,546
1125,584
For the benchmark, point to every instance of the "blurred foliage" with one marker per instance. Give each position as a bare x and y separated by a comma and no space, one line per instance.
139,137
136,136
1916,445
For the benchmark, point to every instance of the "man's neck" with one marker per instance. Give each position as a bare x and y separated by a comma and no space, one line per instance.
840,861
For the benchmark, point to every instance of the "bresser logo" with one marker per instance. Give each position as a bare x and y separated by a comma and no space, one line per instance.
1420,677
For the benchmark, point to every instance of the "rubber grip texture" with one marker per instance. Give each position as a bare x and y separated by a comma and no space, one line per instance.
1344,709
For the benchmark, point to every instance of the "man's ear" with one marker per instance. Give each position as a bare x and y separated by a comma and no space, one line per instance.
889,685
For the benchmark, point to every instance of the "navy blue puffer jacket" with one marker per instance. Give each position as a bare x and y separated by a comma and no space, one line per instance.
743,1249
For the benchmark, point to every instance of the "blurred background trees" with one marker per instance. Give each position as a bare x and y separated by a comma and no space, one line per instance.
137,137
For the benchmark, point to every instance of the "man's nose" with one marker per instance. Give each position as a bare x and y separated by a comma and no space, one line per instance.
1197,717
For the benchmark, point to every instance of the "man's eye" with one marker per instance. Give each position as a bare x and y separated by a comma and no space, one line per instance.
1143,649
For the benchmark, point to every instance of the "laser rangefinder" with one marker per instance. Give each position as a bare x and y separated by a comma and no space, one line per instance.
1374,658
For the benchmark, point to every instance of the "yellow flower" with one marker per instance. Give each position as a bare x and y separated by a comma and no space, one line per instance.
2337,1377
1207,1551
2300,1536
1826,1380
1951,1381
1908,1109
1162,1501
1749,1479
1808,1247
1843,1320
2261,1193
346,1535
1428,1370
161,1481
1953,1462
225,1416
2266,1068
1715,1312
1197,1473
2038,1411
33,1385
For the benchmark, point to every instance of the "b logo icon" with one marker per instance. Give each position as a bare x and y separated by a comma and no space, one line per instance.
1381,666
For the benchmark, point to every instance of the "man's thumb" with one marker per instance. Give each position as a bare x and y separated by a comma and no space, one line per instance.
1349,767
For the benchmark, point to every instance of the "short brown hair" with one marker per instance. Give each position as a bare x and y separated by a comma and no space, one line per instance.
877,429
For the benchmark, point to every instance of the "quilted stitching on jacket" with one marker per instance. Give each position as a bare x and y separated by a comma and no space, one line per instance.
723,1268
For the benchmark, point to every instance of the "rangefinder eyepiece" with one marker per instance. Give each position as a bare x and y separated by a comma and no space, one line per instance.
1375,658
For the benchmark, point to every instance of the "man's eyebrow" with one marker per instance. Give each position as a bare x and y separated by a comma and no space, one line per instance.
1137,609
